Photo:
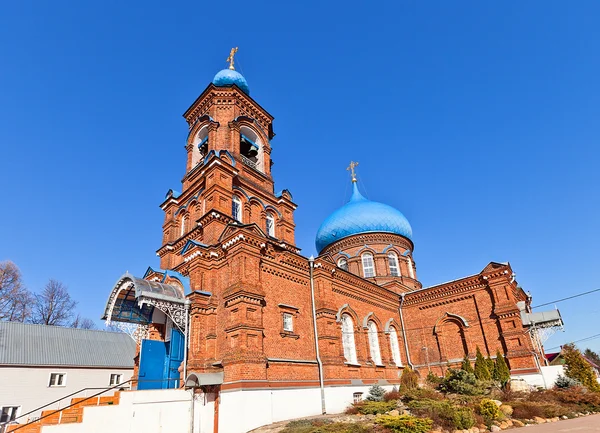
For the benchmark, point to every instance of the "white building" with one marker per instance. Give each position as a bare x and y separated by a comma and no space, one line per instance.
40,364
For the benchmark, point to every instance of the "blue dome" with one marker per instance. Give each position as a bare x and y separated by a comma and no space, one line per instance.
360,215
227,77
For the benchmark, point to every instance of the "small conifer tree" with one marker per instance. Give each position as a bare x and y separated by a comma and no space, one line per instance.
490,365
376,393
481,367
409,379
501,371
576,367
466,365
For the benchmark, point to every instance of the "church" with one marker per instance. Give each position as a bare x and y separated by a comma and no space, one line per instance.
266,334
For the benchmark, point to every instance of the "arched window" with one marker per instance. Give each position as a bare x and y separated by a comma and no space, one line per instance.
251,148
411,271
200,147
374,343
348,339
395,347
183,218
368,265
393,263
270,225
236,208
342,264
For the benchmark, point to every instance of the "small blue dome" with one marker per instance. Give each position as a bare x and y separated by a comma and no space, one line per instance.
227,77
360,215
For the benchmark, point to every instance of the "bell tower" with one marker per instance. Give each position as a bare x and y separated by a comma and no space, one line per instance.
227,176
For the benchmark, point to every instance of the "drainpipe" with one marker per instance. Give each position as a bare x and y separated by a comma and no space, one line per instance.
186,307
311,262
404,332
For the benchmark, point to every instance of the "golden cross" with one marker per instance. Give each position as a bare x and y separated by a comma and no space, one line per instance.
230,58
351,169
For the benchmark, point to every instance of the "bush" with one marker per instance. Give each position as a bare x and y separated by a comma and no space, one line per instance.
409,379
433,380
392,395
461,382
375,407
324,426
405,424
565,382
444,413
376,393
463,418
488,410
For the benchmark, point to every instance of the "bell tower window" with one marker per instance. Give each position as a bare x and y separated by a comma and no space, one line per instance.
393,264
270,225
250,148
200,147
236,208
368,265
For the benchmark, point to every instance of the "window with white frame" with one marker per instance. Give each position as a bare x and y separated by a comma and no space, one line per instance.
348,339
9,413
288,322
368,265
115,379
270,225
393,263
395,346
374,342
236,208
343,263
57,379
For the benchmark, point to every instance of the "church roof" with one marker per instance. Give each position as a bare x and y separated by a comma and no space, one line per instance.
43,345
229,77
360,215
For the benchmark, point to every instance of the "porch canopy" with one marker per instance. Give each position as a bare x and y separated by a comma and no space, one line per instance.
132,302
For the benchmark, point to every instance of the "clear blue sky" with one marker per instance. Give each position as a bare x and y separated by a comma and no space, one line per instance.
478,120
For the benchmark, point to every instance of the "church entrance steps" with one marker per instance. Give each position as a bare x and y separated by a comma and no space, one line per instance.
147,411
69,415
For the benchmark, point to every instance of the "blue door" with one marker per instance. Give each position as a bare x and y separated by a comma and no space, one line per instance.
152,362
174,358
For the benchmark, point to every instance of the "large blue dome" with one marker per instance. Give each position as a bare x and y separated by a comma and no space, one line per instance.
360,215
227,77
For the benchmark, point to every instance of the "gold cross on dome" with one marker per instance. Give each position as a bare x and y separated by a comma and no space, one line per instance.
230,58
351,169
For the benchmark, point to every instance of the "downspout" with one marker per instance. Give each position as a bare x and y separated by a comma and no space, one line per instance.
404,332
311,262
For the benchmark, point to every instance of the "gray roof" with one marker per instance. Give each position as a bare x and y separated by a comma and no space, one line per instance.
24,344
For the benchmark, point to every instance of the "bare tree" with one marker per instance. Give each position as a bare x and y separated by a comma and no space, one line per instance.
53,306
15,299
83,323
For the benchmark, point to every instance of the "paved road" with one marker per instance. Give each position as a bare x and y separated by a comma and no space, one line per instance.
579,425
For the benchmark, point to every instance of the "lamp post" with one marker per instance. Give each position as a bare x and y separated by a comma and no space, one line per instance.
186,309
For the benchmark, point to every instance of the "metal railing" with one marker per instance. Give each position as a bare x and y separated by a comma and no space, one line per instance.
249,162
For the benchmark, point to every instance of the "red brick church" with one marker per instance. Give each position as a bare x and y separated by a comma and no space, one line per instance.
274,334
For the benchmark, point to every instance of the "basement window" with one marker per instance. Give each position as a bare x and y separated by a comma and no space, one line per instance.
57,379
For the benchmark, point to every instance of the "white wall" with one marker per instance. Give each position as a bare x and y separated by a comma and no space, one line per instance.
241,411
28,387
545,379
154,411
